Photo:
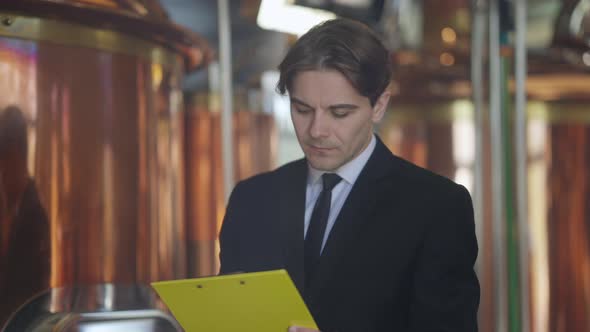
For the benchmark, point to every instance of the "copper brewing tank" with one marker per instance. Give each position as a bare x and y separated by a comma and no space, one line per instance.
255,147
91,153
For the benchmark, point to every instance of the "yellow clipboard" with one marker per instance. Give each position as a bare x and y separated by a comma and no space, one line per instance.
258,301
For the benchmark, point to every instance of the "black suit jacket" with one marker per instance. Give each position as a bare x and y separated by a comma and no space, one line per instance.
399,258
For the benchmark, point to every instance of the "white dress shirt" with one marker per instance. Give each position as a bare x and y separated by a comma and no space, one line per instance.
349,172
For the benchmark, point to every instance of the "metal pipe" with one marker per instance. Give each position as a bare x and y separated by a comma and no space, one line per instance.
477,56
521,158
224,25
497,141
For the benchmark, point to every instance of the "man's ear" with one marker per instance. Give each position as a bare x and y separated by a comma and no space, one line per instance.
381,106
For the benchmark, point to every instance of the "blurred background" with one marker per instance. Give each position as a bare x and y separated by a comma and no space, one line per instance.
124,125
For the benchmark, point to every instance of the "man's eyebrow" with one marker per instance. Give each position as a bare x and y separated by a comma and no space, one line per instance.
343,106
331,107
297,101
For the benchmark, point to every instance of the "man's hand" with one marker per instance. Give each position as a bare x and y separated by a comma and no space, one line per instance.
301,329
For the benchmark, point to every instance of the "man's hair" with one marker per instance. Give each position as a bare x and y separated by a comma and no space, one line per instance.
13,131
346,46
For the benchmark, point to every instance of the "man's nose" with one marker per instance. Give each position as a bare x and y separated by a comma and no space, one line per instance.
319,126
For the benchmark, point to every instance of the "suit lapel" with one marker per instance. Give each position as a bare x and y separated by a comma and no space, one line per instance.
357,212
291,215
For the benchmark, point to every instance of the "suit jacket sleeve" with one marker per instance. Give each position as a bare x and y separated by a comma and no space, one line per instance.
446,289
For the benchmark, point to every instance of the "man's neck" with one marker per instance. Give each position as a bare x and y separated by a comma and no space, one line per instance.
351,169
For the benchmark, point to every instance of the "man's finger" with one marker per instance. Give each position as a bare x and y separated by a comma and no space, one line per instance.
301,329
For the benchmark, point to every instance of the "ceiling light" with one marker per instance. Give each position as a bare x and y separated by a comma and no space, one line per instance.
281,16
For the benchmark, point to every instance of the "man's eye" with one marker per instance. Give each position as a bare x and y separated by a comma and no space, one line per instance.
302,111
340,114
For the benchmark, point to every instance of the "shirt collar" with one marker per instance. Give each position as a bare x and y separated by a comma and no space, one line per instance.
349,171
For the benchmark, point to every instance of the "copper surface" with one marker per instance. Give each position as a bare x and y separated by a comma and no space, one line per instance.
254,135
149,22
422,134
72,34
559,216
105,159
202,192
255,150
568,228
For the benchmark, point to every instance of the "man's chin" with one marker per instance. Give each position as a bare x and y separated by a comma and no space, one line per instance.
322,165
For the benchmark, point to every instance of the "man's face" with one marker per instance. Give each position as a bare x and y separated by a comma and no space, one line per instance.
333,122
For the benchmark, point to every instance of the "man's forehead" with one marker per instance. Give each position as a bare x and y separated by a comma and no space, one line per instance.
318,97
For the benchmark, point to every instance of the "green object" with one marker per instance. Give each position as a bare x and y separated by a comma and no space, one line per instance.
514,318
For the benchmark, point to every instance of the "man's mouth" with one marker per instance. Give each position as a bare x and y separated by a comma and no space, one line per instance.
316,148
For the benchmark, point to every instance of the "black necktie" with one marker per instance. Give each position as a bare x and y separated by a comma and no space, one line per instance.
317,225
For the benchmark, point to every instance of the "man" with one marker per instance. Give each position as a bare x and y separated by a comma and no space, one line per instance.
24,228
372,242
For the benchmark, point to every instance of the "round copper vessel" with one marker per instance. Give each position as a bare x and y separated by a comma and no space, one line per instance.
91,148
